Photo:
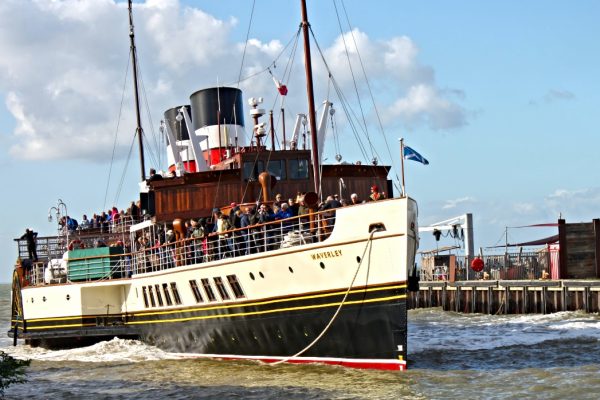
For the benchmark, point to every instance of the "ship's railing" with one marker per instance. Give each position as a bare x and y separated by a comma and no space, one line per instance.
121,225
233,243
47,247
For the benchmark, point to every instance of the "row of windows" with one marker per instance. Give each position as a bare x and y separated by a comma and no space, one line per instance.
154,295
298,169
208,291
160,295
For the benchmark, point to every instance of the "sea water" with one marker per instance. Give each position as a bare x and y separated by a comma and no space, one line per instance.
451,356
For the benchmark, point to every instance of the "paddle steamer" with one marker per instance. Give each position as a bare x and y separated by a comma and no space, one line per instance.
325,286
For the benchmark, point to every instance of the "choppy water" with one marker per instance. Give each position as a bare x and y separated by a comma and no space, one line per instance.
451,356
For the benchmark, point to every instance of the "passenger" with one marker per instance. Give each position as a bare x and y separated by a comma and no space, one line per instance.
225,245
154,176
328,218
375,194
31,237
245,222
293,206
85,222
134,211
262,235
278,200
354,199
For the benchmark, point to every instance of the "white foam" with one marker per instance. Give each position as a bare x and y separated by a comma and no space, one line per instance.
115,350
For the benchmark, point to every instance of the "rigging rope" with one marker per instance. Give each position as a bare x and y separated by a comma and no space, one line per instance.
333,318
362,113
347,110
371,94
112,158
120,187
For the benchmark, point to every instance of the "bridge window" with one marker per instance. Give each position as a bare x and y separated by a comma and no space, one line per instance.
277,169
251,170
298,169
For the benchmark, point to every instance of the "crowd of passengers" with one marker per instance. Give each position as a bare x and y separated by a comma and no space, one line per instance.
104,221
245,230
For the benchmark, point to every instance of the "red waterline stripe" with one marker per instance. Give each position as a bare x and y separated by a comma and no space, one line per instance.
387,365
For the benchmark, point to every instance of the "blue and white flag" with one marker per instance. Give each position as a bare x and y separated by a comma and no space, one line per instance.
410,154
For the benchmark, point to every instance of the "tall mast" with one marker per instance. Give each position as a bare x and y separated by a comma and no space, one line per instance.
138,130
311,100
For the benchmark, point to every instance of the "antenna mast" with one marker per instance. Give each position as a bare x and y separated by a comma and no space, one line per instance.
311,101
138,130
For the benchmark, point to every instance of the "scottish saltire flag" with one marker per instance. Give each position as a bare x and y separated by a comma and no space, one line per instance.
410,154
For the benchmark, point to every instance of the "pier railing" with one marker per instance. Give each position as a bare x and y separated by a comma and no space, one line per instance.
529,265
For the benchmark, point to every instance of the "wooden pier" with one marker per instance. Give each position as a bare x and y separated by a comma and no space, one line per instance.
509,296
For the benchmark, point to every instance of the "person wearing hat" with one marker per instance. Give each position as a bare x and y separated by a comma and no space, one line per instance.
375,194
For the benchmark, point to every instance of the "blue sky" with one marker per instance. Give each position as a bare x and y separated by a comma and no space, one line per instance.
502,97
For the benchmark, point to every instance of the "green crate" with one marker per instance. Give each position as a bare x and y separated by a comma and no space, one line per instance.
93,264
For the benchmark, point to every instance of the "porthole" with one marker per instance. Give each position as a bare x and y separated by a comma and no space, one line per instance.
44,299
68,297
261,274
358,259
252,276
322,265
291,269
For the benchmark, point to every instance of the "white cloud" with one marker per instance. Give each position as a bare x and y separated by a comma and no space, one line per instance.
463,201
62,66
424,104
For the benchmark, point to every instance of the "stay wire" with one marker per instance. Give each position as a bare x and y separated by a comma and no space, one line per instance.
362,113
347,110
380,123
121,182
112,158
152,151
239,79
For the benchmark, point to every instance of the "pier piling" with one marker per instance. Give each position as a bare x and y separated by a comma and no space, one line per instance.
509,297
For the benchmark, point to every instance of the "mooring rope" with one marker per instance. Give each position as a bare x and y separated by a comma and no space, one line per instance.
333,318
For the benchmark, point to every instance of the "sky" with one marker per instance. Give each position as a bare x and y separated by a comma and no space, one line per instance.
502,97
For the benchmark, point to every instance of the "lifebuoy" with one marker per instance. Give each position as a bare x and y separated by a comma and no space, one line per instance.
75,244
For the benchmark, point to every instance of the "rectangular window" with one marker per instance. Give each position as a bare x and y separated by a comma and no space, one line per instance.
151,295
298,169
208,290
235,286
158,295
145,295
196,291
277,168
167,294
221,288
175,293
252,169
